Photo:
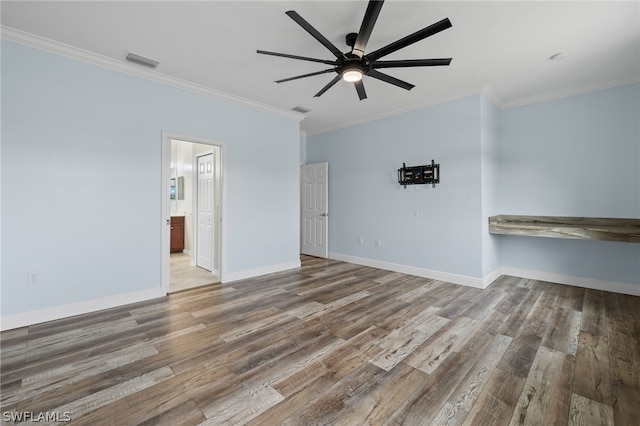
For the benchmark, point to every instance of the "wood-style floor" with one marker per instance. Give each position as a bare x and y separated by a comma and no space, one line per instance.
337,343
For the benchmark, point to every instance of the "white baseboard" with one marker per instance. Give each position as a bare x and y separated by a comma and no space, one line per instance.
263,270
24,319
487,280
613,286
9,322
412,270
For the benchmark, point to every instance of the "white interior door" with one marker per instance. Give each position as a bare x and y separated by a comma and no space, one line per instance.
315,211
205,203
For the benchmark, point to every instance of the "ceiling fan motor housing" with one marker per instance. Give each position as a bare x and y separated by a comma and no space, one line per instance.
353,63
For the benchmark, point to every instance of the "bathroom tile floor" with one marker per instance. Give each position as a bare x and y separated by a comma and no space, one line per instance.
183,276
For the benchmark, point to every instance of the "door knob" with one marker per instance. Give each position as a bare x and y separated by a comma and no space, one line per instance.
324,214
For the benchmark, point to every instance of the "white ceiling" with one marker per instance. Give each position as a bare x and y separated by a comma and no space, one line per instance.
500,46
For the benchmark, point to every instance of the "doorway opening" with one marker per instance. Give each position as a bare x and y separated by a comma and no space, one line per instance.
192,212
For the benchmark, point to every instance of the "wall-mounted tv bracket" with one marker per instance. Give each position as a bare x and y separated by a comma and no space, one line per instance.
419,175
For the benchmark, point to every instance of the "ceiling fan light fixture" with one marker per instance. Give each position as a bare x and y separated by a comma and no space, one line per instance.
352,75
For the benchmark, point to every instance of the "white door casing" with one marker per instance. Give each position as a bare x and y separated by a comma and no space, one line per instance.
315,210
205,212
220,247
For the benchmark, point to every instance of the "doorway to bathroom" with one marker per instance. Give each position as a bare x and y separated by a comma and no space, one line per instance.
192,212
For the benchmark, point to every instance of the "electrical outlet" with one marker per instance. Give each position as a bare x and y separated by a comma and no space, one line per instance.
378,243
33,277
361,241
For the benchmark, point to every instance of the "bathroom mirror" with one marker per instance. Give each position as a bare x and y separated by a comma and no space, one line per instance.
176,189
179,190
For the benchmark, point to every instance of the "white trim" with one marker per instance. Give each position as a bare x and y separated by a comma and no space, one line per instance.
566,92
9,322
488,92
612,286
411,270
165,209
52,46
490,278
431,102
165,254
48,45
263,270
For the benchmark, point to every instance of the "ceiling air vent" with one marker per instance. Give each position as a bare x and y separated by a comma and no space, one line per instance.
132,57
301,109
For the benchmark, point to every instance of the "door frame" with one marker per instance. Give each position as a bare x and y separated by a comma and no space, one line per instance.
165,209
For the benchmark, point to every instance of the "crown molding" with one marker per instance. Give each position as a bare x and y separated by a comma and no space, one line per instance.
431,102
489,93
51,46
48,45
568,92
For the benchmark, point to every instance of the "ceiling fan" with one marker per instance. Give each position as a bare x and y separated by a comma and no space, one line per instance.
352,66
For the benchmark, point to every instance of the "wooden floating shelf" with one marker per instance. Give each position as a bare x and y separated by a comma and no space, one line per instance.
581,228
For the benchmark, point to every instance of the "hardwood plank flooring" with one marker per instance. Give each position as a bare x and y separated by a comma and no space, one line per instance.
334,343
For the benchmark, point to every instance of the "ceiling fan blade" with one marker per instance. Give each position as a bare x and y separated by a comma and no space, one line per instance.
389,79
369,20
411,63
303,58
410,39
306,75
360,89
315,33
328,86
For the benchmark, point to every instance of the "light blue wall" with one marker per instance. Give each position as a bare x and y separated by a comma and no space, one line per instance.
81,179
576,156
489,154
366,200
303,147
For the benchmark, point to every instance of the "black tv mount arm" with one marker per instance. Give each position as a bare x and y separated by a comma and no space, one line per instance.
419,175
